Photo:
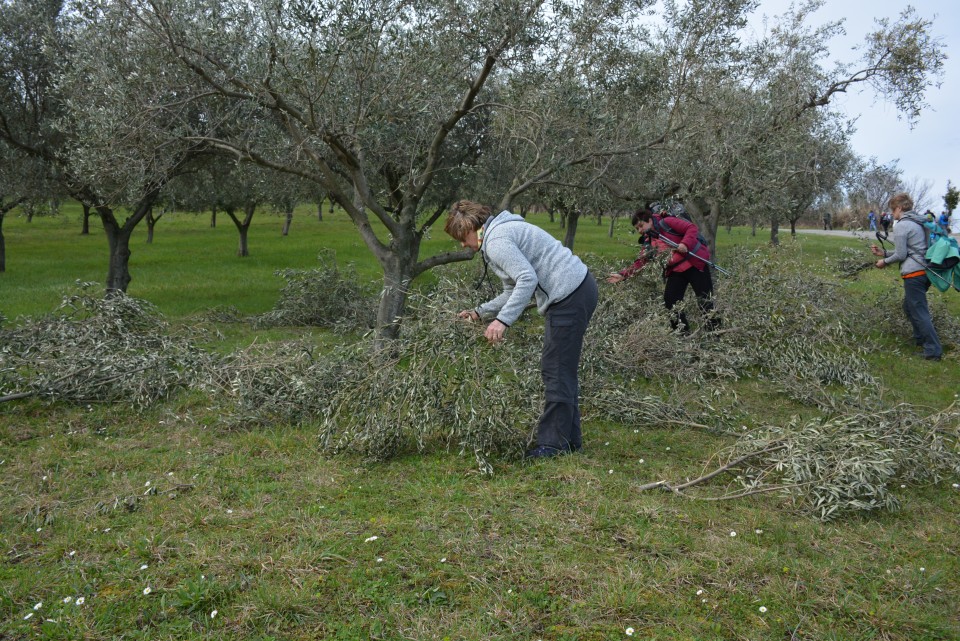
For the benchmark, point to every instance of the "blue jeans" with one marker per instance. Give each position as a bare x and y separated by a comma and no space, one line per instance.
916,309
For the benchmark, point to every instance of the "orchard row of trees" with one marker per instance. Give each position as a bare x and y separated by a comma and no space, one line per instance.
395,108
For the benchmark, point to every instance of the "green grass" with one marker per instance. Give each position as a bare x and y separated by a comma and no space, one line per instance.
259,526
190,267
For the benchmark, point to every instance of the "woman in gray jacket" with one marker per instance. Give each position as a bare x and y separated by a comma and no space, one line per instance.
910,248
532,263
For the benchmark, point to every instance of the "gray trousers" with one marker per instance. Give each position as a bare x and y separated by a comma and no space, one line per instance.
564,327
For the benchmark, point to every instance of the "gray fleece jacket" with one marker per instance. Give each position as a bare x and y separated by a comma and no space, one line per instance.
909,243
530,262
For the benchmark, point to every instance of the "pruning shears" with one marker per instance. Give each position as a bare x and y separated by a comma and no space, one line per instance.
691,255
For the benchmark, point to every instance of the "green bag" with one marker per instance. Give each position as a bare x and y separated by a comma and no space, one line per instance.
943,263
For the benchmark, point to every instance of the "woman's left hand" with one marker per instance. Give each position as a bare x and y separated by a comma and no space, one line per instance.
495,331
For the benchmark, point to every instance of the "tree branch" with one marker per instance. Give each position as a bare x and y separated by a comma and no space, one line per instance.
703,479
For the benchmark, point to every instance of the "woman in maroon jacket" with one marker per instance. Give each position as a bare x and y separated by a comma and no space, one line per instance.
683,267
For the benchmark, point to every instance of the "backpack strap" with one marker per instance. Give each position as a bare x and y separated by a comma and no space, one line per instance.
926,237
660,225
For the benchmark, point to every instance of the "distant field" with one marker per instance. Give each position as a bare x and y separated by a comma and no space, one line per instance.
191,267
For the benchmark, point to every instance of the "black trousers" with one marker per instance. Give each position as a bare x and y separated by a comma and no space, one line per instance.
564,327
676,289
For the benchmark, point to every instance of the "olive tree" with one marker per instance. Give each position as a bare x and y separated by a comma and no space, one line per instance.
751,102
384,104
68,77
120,159
29,167
875,185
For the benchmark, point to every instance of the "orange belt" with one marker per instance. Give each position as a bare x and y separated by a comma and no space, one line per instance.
922,272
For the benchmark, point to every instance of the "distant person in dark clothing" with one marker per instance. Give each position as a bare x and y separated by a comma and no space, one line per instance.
886,219
944,222
827,220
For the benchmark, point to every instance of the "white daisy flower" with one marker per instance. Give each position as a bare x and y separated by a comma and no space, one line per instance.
67,599
80,600
762,609
370,539
628,632
213,615
38,606
733,533
699,592
144,566
147,591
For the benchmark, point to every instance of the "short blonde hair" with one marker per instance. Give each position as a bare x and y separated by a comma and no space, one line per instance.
901,200
465,216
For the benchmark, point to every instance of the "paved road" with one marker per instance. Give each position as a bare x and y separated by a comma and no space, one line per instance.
850,233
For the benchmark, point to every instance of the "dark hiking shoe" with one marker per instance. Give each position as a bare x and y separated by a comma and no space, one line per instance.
545,451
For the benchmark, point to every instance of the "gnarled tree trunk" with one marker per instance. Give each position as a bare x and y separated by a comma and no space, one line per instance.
151,223
85,229
243,227
573,218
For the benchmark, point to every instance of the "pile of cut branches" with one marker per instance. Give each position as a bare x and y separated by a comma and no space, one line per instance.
779,323
835,466
328,296
439,383
96,349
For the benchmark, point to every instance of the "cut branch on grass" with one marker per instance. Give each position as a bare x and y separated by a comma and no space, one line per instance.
678,488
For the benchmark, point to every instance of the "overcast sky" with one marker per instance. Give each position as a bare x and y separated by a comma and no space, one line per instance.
929,151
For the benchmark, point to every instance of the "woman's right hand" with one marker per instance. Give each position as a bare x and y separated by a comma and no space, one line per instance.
614,278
